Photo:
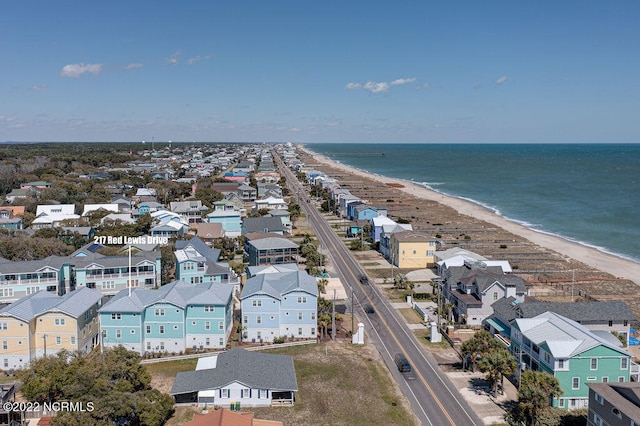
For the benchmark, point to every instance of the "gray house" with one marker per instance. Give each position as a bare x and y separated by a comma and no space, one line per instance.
271,251
614,404
263,224
238,376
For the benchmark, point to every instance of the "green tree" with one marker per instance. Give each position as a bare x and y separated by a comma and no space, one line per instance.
497,363
480,344
536,391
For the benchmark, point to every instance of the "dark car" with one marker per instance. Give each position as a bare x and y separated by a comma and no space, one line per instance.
368,309
364,279
403,364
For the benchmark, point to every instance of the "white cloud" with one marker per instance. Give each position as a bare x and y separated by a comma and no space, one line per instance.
501,79
132,66
39,87
173,59
423,86
376,87
76,70
402,81
198,58
379,86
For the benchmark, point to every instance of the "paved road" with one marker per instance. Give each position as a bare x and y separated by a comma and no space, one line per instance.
433,398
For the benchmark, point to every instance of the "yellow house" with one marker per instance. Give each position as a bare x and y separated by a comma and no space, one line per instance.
44,323
410,249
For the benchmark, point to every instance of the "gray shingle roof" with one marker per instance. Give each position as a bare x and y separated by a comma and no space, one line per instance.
74,304
260,224
255,370
272,243
279,284
177,293
579,311
211,254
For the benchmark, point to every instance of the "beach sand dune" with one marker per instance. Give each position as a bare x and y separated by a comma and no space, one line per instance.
554,265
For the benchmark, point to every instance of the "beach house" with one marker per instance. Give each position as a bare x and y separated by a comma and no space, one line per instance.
570,352
44,323
411,249
279,304
174,318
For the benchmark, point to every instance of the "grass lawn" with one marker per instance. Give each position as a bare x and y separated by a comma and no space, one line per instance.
411,316
346,385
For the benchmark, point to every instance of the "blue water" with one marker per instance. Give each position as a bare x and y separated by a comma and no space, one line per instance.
587,193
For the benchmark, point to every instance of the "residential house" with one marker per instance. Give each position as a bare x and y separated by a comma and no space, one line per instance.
457,257
44,323
570,352
239,377
48,216
236,177
263,224
411,249
207,232
271,269
612,403
13,223
17,194
21,278
40,184
610,316
197,263
88,208
279,304
86,232
110,274
119,217
125,204
472,291
269,190
271,251
345,200
174,318
9,212
376,226
145,195
362,211
225,187
146,207
191,211
386,231
226,215
285,217
247,193
170,224
270,203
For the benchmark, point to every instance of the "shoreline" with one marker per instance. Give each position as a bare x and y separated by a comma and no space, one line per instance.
591,256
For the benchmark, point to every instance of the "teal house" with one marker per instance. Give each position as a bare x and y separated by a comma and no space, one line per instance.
573,354
197,263
174,318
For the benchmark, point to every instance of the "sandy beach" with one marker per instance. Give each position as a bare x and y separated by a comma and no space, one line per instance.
592,257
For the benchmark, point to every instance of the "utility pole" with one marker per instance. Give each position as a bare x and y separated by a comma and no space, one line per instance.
333,317
352,311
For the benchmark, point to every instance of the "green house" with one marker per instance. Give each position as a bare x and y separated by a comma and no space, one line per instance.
573,354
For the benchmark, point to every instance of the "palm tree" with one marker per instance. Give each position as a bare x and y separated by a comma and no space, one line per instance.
536,390
480,344
497,363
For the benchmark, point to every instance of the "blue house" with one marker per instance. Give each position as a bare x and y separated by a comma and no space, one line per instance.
279,304
197,263
173,318
225,213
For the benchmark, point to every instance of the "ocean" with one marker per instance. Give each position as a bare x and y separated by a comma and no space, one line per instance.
586,193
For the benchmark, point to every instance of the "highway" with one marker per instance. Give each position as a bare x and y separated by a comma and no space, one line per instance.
433,398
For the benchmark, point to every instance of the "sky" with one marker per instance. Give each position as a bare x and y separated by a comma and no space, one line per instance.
320,71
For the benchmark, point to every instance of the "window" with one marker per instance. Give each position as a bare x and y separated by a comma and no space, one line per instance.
207,341
73,340
495,295
258,319
624,363
610,323
302,299
597,420
621,379
313,331
616,412
60,321
605,379
162,329
561,364
118,334
560,402
262,393
58,340
225,393
3,325
5,345
159,312
244,393
625,323
299,316
220,325
313,316
300,331
257,303
6,362
599,399
575,383
245,319
148,346
162,346
414,252
116,316
594,363
221,341
148,329
207,325
209,308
